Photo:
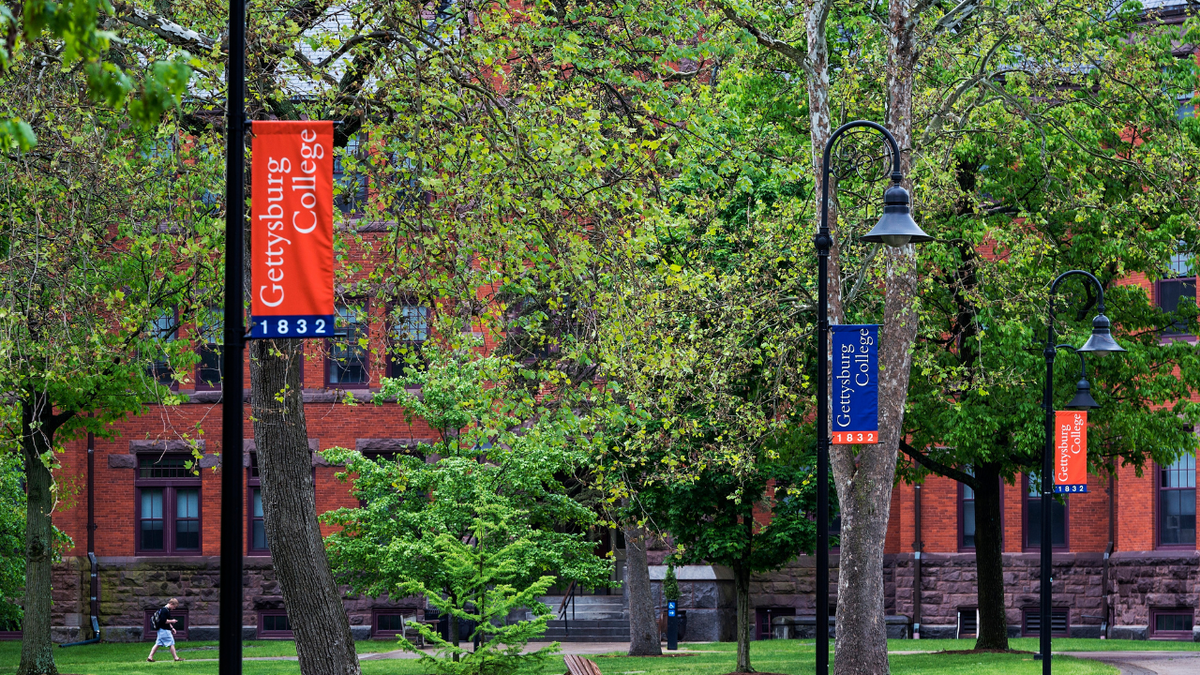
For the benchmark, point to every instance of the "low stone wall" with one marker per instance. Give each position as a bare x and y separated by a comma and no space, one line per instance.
707,595
129,587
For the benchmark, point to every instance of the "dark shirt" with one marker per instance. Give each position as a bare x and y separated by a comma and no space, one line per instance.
164,615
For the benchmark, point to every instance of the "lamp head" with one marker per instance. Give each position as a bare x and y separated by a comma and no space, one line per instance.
1101,342
1083,397
896,226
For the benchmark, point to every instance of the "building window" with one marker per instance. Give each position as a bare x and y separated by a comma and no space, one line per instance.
1172,624
181,624
764,620
1031,621
966,515
1033,515
347,366
1178,284
968,622
410,330
168,506
274,624
1177,503
388,624
257,531
349,178
163,330
208,369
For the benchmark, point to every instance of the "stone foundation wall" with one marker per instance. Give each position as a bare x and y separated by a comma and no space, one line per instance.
131,586
1138,583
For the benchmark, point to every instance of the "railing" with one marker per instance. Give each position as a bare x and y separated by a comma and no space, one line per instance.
568,599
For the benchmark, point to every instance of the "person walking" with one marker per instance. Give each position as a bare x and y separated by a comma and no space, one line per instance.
165,625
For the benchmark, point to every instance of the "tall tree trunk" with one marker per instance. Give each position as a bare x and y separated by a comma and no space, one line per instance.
643,625
37,652
314,606
864,480
745,618
989,560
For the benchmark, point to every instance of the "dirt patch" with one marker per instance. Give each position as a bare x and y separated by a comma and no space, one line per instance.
754,673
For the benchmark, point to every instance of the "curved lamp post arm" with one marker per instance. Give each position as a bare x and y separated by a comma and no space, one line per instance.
1082,363
897,176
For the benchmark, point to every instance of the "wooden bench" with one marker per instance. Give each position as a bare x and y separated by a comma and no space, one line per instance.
577,665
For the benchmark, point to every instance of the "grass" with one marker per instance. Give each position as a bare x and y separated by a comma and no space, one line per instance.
1059,645
791,657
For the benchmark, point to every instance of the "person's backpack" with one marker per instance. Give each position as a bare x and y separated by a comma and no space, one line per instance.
155,619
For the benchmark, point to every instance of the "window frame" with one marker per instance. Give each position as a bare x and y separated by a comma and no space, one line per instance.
254,482
1181,635
331,362
1025,529
169,487
376,633
158,368
1026,612
973,612
962,510
274,634
203,346
352,209
149,634
1158,515
394,363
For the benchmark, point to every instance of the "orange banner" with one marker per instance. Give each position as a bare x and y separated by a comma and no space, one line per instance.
1070,451
291,230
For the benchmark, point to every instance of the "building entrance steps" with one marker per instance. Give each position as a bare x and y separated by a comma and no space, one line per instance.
588,630
586,607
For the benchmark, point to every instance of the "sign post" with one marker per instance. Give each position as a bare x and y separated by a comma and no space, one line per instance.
855,413
672,626
1070,451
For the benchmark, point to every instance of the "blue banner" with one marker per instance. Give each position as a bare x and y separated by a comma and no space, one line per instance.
855,386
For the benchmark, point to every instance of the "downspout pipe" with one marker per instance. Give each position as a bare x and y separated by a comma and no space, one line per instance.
91,544
917,546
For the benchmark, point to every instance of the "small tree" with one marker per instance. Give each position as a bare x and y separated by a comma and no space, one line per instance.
670,589
753,521
478,530
479,572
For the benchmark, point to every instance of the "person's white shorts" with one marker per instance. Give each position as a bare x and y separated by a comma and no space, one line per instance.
165,638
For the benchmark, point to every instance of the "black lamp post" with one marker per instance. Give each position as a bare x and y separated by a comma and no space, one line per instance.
1100,343
895,228
229,631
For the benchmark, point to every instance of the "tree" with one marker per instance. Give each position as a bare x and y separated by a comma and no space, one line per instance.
1100,179
481,513
12,541
70,33
96,267
754,522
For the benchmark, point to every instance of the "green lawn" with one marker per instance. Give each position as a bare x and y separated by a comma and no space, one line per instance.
1060,645
792,657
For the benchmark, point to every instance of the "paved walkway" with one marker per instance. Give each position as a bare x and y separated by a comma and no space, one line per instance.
1147,663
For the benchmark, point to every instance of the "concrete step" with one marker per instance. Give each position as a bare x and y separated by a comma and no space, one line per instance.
595,630
588,607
